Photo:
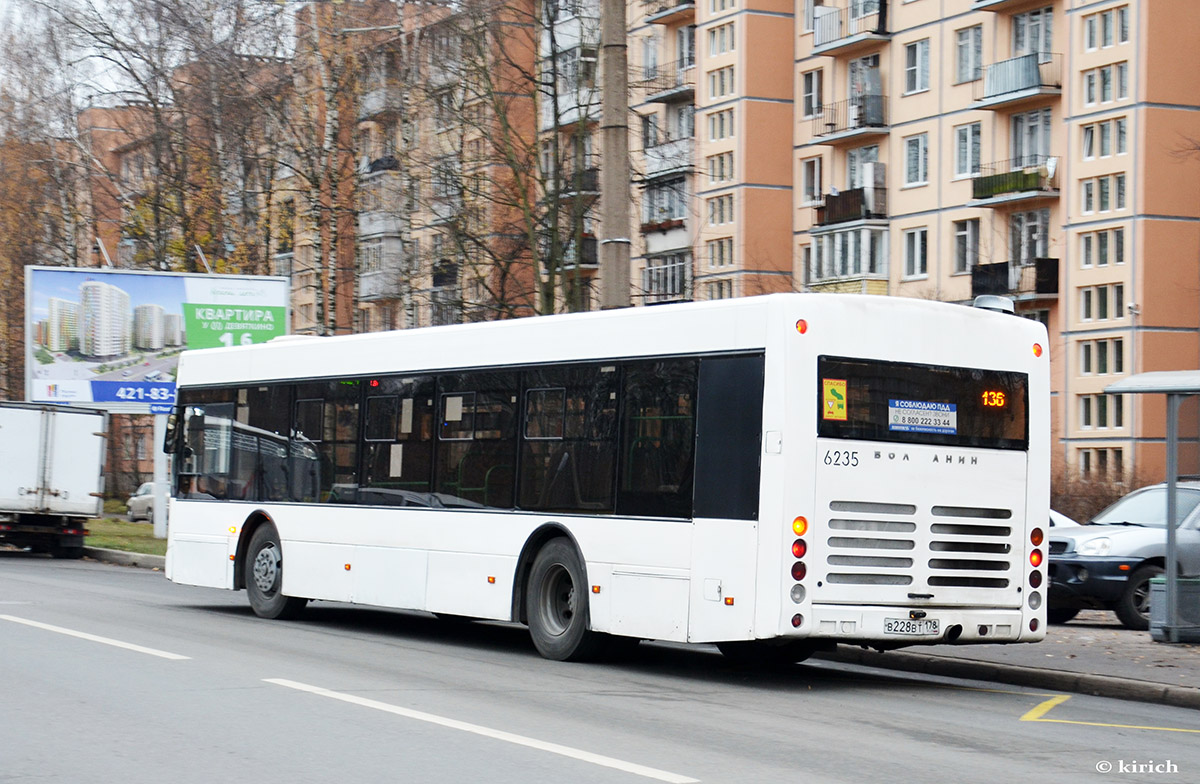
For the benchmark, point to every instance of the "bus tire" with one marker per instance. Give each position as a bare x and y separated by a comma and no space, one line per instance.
557,605
766,653
264,577
1061,614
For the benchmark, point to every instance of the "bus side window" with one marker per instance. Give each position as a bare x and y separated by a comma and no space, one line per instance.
477,442
398,442
658,438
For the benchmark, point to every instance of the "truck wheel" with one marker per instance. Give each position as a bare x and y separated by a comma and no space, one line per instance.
264,577
1133,608
66,551
557,602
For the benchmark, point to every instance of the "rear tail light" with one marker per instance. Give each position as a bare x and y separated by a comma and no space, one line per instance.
799,570
1033,625
799,548
800,526
1035,537
1035,579
797,620
1035,558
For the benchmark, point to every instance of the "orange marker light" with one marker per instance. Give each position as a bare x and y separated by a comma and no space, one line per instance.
233,557
800,526
233,529
347,567
595,589
1124,568
1037,349
491,580
728,601
1035,537
802,326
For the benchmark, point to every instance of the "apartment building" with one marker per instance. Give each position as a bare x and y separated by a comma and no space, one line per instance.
1036,150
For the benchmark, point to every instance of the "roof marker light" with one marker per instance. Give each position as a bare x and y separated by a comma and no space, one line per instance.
1037,349
802,326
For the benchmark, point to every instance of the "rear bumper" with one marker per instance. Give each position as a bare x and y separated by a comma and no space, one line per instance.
956,625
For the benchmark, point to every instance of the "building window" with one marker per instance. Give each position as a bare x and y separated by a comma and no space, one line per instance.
1029,235
966,244
1085,304
1031,138
720,252
720,125
665,200
916,250
720,289
1089,87
812,93
667,278
967,144
1089,32
720,210
720,167
1122,142
720,82
855,159
1086,241
916,159
1085,357
916,66
1085,410
1122,81
969,54
720,40
1123,24
1033,32
1088,200
811,175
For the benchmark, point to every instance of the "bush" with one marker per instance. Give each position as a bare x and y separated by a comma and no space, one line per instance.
1081,498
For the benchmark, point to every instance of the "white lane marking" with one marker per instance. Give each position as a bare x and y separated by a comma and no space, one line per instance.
487,732
95,638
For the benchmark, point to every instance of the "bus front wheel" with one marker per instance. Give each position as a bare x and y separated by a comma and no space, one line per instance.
557,605
264,577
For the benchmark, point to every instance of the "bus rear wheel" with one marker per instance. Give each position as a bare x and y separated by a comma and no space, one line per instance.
766,653
264,577
556,599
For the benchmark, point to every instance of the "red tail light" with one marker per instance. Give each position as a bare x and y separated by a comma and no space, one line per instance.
799,548
799,570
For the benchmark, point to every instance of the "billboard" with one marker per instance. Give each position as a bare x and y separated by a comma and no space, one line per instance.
111,338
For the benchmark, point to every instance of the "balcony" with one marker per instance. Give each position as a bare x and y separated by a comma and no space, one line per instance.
855,118
379,101
668,12
580,182
669,156
379,284
1019,80
1002,5
1017,179
1037,280
845,30
853,205
587,256
670,83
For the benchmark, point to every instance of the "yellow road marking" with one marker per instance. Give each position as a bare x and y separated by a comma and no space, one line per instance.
1045,707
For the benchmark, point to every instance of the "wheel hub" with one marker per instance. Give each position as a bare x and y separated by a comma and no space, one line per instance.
558,600
266,568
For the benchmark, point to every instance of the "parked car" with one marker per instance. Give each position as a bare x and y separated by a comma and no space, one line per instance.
1108,563
141,503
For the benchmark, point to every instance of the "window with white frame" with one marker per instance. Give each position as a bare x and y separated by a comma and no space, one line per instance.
1085,357
720,210
720,252
717,6
1122,81
811,95
916,66
665,200
854,164
967,145
720,39
720,82
811,177
968,54
916,253
1031,137
1032,32
966,244
719,289
685,46
720,167
1087,243
1029,235
1123,24
1087,198
1085,304
916,159
667,277
1089,87
1085,415
720,125
849,253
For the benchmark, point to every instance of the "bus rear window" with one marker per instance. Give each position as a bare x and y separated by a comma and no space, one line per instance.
874,400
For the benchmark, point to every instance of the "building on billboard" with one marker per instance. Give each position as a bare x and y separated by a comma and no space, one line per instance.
173,329
104,320
62,325
148,327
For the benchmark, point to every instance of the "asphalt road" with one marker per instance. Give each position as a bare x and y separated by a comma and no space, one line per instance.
113,674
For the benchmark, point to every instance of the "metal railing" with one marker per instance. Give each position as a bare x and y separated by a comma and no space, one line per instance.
1012,277
1015,175
864,111
831,25
673,78
854,204
1037,70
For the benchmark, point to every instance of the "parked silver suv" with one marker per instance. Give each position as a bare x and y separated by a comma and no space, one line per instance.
1108,563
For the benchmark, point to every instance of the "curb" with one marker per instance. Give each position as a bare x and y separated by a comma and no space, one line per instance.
1035,677
123,558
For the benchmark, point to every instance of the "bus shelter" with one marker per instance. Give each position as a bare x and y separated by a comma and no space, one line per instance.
1176,385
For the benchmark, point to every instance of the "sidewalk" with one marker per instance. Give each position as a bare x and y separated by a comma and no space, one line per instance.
1093,654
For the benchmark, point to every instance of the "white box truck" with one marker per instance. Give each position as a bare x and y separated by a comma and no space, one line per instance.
51,476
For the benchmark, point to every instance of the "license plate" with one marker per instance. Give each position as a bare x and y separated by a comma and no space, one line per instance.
910,626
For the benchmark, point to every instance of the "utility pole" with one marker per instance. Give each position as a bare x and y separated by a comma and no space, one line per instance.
614,156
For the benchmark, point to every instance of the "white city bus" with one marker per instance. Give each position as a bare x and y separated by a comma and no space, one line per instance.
773,474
